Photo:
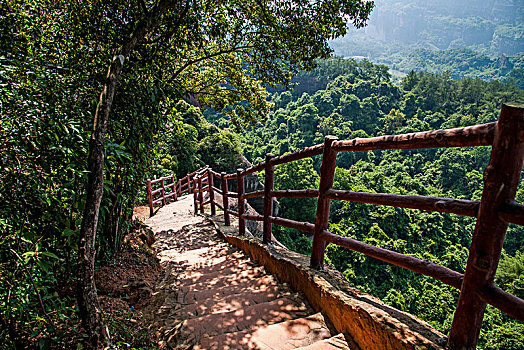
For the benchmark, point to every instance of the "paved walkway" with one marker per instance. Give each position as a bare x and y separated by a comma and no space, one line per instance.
214,297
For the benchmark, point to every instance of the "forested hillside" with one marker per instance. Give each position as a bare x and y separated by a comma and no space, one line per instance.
350,99
490,26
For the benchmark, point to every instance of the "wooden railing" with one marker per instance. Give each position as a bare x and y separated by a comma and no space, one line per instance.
494,211
166,191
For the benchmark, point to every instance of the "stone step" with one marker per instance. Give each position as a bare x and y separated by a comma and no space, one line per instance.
286,335
203,275
224,260
188,240
188,295
230,302
337,342
193,257
255,316
225,267
220,279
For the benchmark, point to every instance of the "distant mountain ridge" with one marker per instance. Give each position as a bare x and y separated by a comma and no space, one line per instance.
467,38
496,26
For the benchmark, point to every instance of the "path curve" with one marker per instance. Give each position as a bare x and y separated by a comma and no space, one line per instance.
214,297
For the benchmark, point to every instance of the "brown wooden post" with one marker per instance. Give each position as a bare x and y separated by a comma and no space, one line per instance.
174,188
501,179
327,173
225,201
240,187
211,192
163,192
269,181
150,197
200,194
195,197
189,184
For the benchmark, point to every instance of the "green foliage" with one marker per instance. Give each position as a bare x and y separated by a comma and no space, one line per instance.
296,175
194,142
510,274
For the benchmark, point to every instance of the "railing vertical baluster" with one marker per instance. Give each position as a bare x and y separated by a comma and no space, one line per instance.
189,182
501,179
174,187
240,187
200,194
327,174
195,196
150,197
163,192
225,201
211,192
269,181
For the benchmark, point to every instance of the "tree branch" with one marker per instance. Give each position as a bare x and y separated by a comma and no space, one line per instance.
206,57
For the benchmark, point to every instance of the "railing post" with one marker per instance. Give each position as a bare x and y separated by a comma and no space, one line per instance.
327,173
501,179
195,196
211,192
269,181
174,187
189,184
150,197
240,187
225,201
200,194
163,191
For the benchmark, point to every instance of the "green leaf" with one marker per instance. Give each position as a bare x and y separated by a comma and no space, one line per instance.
51,255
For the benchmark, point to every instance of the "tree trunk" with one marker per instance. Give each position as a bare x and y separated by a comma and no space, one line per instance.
86,289
87,294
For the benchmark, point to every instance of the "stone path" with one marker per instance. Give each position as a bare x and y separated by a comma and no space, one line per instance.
214,297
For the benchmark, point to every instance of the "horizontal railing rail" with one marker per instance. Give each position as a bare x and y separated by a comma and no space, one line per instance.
164,195
493,212
175,190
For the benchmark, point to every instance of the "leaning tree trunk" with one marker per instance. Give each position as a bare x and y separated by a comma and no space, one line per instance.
87,294
86,289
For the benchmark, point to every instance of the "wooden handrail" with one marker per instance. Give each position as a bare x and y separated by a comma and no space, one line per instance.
304,153
176,189
255,194
512,212
478,135
444,205
448,276
494,211
503,301
269,181
241,203
162,190
217,190
252,217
